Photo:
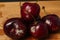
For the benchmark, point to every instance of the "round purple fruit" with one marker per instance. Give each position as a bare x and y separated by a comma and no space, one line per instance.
53,22
14,28
30,10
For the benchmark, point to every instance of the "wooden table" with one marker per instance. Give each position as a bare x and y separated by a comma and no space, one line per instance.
12,9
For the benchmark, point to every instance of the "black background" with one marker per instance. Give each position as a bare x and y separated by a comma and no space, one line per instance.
24,0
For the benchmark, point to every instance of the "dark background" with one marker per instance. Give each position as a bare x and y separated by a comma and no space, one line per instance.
25,0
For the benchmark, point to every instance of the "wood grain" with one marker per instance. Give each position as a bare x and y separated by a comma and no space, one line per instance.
12,9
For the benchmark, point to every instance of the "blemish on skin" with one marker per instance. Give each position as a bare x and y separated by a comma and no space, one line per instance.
27,16
16,25
48,22
33,29
28,8
12,30
18,32
8,23
37,27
